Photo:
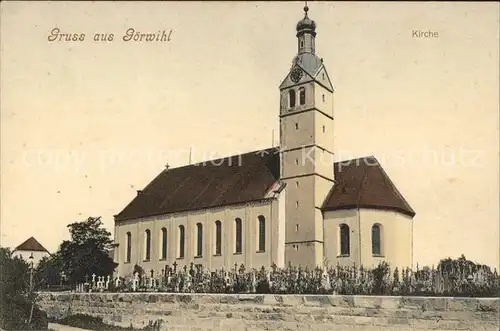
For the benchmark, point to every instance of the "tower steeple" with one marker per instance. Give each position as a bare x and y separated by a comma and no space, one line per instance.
306,145
306,33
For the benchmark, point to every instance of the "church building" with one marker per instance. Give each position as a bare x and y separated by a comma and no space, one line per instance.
290,204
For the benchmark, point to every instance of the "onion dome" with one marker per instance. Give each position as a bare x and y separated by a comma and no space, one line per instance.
306,24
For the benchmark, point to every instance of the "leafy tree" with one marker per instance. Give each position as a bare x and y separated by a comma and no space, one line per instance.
87,252
17,301
460,265
14,275
48,272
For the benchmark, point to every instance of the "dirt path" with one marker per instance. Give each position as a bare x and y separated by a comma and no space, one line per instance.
60,327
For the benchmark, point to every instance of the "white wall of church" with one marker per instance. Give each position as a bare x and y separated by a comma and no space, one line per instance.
323,128
37,256
332,222
305,83
323,97
322,188
298,162
300,209
304,254
297,130
249,256
323,162
396,237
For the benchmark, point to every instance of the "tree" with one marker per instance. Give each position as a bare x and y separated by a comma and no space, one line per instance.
48,272
461,264
87,252
17,301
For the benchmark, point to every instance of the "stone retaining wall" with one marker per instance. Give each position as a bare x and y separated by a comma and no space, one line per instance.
190,312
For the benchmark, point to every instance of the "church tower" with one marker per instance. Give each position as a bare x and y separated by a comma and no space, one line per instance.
306,144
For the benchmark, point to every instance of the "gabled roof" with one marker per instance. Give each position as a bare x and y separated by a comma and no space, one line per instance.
231,180
287,82
359,183
311,69
363,183
31,244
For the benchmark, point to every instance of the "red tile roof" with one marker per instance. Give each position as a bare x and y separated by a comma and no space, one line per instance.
232,180
360,183
363,183
31,244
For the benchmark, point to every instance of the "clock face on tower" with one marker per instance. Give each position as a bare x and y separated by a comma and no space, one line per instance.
296,74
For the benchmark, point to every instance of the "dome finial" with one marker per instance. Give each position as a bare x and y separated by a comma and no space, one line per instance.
306,24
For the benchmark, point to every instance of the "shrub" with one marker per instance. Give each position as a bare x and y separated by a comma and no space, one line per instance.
465,281
19,311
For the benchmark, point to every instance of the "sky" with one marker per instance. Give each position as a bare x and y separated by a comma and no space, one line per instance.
85,124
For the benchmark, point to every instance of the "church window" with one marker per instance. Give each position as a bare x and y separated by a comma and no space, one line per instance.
324,129
147,244
180,253
163,243
323,77
323,96
297,161
262,233
296,228
129,247
296,204
302,96
376,239
296,126
297,184
344,240
291,98
239,235
199,239
218,238
302,43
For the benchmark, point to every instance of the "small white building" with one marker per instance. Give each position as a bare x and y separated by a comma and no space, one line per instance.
31,248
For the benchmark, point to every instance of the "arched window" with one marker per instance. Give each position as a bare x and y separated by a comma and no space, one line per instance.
344,239
291,98
218,238
302,96
376,239
262,233
199,239
129,248
163,243
238,235
180,253
147,245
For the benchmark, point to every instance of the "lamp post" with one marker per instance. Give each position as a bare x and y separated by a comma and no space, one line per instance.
31,272
63,278
31,287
